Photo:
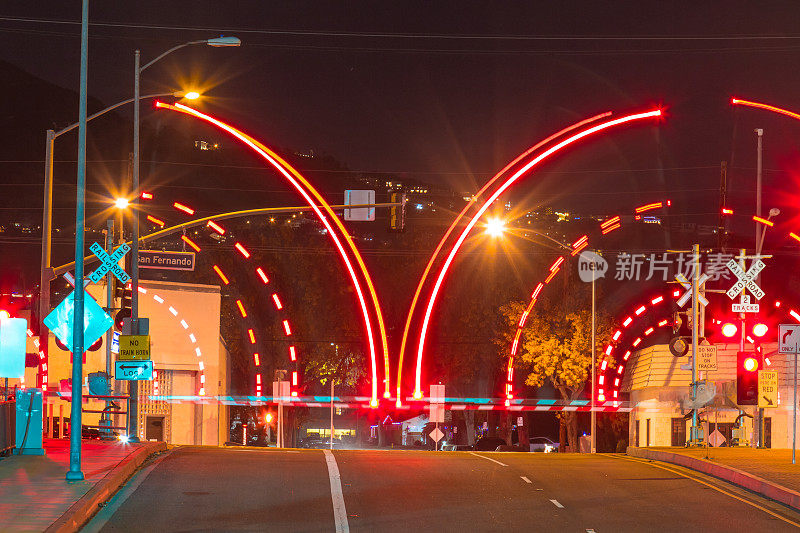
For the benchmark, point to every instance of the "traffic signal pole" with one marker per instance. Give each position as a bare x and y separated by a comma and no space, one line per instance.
695,326
742,254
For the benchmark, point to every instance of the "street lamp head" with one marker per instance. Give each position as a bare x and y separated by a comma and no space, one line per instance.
121,203
495,227
224,41
192,95
774,212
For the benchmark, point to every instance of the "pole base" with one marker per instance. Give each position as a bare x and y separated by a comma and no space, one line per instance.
75,476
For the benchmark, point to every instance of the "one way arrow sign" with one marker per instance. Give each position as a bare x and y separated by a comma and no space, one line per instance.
789,338
133,370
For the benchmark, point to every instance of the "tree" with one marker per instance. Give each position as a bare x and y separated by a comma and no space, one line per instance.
555,349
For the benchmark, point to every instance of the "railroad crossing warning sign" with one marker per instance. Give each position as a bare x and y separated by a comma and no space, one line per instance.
789,338
686,284
706,357
745,280
109,262
768,388
134,348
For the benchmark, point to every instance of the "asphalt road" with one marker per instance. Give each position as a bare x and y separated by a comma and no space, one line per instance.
212,489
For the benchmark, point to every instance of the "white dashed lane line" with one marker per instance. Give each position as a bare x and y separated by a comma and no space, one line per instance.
555,502
488,458
526,480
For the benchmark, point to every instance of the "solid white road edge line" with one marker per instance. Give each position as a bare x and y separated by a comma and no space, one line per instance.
339,510
555,502
487,458
526,480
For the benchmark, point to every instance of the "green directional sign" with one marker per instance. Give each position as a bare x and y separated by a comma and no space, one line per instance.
95,320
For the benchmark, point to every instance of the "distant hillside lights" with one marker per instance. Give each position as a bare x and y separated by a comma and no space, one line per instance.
206,145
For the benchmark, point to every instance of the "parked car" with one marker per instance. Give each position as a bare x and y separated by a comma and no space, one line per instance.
543,444
489,444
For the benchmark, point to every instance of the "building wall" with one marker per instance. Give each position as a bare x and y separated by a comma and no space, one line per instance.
659,389
187,309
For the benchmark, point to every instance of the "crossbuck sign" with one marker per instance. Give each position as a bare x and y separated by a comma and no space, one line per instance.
745,282
109,262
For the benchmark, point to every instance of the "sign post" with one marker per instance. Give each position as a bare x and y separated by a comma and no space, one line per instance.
694,293
789,342
437,412
746,281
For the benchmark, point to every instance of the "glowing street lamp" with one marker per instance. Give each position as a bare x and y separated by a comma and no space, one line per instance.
495,227
121,203
46,273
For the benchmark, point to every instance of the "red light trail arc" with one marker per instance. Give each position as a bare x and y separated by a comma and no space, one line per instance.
583,242
306,190
455,222
510,181
240,306
767,107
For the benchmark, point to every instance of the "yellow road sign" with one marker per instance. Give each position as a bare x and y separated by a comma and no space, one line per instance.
768,388
134,348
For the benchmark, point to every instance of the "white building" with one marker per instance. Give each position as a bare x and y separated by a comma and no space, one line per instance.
189,358
659,390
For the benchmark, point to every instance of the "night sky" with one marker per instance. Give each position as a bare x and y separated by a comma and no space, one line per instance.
448,92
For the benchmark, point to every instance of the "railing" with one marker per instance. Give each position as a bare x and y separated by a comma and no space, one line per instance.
8,413
56,426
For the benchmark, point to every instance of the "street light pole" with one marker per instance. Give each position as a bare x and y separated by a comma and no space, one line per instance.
695,319
594,373
133,386
133,389
759,242
46,274
75,424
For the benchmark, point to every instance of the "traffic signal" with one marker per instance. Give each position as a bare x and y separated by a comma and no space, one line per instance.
123,292
747,366
397,213
681,334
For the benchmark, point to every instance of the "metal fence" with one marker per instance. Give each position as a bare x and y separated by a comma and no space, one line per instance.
8,409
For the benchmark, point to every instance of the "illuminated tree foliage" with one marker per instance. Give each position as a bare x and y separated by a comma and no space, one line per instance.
555,349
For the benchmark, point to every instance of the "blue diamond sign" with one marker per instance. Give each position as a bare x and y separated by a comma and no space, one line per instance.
95,320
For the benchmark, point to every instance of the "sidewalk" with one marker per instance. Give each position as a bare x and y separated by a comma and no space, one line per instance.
34,496
769,472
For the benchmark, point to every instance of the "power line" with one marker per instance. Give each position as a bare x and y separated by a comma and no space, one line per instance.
398,35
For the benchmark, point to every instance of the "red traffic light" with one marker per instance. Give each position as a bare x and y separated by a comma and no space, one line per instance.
729,329
760,329
747,366
4,314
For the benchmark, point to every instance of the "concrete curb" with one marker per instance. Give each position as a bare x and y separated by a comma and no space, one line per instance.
82,510
738,477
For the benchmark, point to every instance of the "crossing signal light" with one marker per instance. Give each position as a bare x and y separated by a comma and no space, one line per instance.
729,329
747,366
125,295
760,329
